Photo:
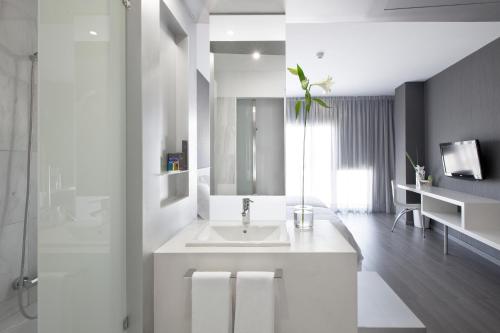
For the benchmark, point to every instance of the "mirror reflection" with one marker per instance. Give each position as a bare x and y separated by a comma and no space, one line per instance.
247,117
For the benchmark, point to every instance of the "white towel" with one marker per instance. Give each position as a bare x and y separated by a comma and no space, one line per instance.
211,302
254,302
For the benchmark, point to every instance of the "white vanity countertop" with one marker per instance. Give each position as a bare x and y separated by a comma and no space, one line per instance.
324,238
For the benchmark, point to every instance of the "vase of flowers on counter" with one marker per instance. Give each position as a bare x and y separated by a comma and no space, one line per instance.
303,214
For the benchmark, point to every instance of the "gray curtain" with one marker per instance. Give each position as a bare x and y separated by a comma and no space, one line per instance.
362,137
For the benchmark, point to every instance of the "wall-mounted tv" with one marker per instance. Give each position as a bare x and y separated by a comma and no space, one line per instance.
462,159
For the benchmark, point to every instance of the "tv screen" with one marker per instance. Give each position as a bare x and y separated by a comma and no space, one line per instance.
461,159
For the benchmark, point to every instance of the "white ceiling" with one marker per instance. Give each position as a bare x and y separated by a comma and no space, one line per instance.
324,11
373,58
200,9
309,11
371,46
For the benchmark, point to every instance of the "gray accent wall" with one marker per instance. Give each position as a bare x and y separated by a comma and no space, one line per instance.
461,103
409,136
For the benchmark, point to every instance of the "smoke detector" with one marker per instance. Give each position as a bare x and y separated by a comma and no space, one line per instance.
320,54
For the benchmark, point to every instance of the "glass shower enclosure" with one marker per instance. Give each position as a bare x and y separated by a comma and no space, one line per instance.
73,97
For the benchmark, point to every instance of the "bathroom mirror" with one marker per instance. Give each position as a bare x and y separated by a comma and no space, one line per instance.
247,105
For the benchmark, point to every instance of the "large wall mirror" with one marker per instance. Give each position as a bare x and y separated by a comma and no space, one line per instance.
247,105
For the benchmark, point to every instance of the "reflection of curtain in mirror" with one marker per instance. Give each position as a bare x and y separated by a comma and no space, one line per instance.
349,153
224,136
245,128
264,118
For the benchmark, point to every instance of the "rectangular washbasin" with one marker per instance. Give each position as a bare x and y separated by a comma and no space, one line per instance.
236,234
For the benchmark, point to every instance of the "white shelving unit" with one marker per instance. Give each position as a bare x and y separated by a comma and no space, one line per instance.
474,216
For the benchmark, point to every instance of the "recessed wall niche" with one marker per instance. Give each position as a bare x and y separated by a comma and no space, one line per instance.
174,101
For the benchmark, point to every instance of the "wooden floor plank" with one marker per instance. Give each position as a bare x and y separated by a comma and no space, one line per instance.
456,293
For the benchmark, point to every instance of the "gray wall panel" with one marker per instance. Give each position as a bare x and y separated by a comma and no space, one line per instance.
463,102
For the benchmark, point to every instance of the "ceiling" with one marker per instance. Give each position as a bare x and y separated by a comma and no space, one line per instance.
200,9
371,46
373,58
316,11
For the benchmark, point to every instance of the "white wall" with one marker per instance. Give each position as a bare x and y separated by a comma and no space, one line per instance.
203,48
149,224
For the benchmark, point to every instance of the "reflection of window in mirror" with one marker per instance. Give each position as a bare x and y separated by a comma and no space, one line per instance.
247,104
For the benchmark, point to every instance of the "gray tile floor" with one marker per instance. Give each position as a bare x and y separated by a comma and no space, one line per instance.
457,293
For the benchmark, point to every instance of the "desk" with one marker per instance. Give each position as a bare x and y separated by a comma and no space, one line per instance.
474,216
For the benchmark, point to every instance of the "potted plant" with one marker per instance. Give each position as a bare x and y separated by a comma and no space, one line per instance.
419,171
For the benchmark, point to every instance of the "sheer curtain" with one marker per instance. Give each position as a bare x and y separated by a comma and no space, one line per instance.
349,153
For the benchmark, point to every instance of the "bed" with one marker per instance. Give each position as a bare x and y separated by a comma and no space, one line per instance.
322,212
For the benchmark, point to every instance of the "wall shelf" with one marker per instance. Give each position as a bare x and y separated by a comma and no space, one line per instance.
172,173
174,122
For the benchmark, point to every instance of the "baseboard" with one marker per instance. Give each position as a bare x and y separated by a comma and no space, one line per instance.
468,246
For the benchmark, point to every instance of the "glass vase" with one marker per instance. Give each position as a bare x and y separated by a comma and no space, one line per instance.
303,217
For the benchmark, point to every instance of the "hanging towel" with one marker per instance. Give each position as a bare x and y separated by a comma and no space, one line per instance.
211,302
254,302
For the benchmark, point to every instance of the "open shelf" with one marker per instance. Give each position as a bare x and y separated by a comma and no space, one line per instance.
173,189
172,173
453,220
174,122
488,237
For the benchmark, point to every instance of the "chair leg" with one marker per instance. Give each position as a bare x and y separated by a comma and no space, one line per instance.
397,218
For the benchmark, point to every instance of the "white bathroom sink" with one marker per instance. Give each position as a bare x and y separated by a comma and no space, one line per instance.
236,234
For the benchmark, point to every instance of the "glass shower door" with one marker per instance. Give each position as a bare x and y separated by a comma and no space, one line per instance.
81,171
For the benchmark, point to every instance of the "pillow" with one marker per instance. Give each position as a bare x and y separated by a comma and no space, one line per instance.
311,201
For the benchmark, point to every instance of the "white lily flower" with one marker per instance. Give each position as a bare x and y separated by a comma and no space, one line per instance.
326,84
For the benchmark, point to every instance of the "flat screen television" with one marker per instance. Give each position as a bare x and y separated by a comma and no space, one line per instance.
461,159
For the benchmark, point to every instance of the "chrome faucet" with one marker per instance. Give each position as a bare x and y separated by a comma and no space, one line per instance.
245,214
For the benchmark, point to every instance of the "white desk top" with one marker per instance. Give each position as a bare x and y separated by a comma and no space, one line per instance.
448,195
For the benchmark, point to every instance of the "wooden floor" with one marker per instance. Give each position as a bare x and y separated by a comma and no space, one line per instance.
457,293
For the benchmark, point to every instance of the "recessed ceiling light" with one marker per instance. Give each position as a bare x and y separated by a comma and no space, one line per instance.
256,55
93,33
320,54
230,33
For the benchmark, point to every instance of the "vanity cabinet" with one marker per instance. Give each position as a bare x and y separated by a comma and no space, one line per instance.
316,292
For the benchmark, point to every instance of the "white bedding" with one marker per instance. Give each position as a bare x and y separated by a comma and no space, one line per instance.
323,213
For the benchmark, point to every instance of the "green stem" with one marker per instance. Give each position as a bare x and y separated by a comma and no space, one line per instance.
303,164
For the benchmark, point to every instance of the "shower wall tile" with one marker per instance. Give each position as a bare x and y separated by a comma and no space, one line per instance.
17,36
32,248
7,62
18,9
18,23
14,108
10,258
8,307
12,187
